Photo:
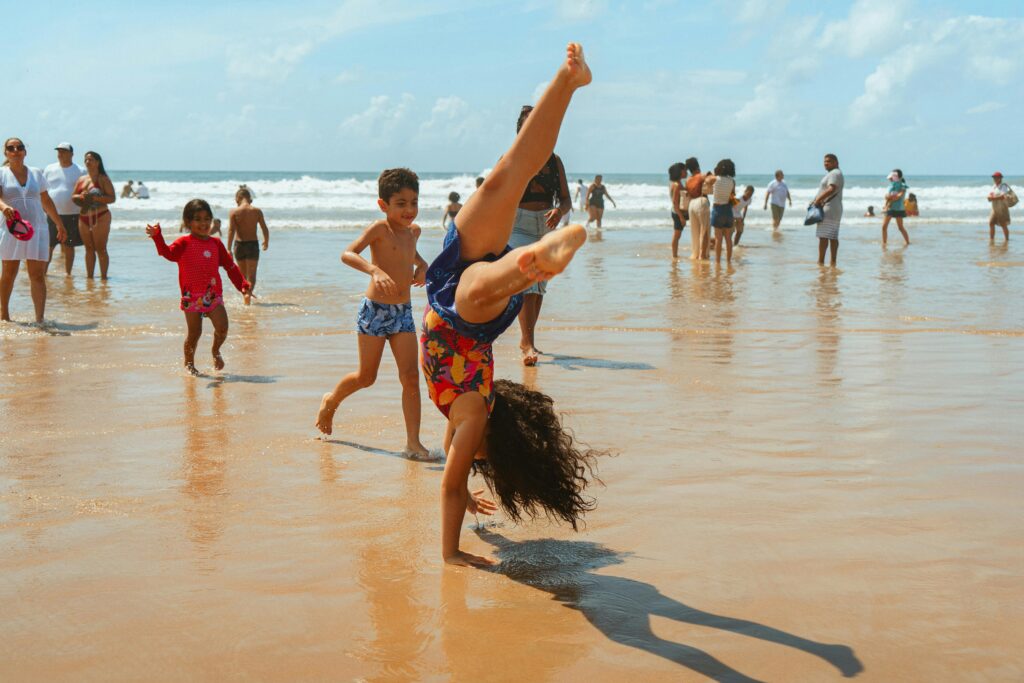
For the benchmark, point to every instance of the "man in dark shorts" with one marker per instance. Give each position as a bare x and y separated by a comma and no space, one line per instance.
61,178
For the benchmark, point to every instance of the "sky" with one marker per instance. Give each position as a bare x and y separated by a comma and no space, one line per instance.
932,87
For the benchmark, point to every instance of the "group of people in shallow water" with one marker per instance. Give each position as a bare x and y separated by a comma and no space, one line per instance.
75,204
725,212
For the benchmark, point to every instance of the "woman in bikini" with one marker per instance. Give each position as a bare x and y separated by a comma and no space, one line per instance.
452,210
94,193
595,201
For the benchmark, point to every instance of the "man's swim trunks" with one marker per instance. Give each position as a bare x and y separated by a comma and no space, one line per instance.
454,364
247,250
383,320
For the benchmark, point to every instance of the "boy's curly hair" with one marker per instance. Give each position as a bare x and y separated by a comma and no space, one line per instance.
534,464
394,180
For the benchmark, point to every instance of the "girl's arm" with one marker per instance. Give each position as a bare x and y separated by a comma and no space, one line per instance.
609,196
229,265
469,415
171,253
264,228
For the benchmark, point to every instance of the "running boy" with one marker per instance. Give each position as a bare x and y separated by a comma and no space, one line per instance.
242,224
386,312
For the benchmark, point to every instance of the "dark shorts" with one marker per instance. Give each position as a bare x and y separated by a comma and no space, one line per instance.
676,223
247,250
894,213
70,227
721,216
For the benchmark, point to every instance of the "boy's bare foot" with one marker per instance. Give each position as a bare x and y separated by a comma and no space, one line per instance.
419,453
325,418
247,298
576,67
548,257
529,356
218,361
190,367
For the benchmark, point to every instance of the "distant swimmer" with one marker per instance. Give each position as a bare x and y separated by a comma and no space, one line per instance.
127,191
870,213
911,205
141,191
479,181
452,210
242,224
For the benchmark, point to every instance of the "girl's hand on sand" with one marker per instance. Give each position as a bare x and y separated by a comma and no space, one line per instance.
477,504
152,230
384,283
464,559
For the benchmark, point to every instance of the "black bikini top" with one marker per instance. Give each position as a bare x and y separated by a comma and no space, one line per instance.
545,185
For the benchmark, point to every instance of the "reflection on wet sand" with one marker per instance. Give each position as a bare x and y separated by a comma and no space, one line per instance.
622,608
204,470
827,305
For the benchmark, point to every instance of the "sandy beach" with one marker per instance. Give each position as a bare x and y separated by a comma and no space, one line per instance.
814,477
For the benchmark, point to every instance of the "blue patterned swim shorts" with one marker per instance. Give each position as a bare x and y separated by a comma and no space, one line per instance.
383,320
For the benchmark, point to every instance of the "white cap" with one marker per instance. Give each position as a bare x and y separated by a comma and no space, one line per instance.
66,146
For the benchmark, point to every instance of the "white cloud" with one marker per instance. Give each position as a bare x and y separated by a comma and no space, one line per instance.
580,10
870,26
986,107
379,120
757,11
257,63
346,76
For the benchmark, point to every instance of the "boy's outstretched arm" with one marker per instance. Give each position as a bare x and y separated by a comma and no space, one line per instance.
351,258
469,420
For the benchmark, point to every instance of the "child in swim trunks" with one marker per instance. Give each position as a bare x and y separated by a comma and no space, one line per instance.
243,240
385,314
511,434
200,258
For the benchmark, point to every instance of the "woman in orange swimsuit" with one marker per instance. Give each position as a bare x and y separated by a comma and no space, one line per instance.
94,192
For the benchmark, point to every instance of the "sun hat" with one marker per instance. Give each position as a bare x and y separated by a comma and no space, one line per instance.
66,146
997,174
20,228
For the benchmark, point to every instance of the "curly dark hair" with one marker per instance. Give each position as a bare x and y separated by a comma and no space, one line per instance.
453,196
534,465
725,167
676,171
394,180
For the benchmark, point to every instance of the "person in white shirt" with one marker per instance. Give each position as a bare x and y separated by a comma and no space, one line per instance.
61,177
778,192
141,191
739,213
1000,208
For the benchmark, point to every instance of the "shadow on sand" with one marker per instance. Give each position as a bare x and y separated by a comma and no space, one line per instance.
228,378
622,608
577,363
381,451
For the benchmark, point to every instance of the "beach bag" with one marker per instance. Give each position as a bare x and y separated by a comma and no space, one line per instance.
1011,198
815,214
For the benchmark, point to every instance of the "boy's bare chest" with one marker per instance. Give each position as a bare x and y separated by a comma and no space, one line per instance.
396,247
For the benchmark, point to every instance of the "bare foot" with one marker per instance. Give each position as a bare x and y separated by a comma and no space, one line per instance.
419,453
190,367
529,356
576,67
247,298
325,418
218,361
548,257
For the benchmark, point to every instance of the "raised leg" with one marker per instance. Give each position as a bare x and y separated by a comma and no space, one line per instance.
485,221
370,351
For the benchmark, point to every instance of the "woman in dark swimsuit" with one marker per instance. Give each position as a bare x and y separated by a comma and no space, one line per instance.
544,202
595,201
452,210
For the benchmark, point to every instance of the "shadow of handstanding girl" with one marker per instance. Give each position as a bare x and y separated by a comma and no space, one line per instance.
621,608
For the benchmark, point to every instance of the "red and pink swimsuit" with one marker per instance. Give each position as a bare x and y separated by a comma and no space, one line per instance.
199,262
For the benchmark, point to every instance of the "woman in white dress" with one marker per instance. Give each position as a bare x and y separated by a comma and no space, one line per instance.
23,190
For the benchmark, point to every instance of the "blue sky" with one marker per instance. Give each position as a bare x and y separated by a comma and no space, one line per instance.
932,87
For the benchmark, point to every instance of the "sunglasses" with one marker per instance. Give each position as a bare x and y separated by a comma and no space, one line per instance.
15,148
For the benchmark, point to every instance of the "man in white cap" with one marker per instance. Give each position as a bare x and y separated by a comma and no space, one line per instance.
61,178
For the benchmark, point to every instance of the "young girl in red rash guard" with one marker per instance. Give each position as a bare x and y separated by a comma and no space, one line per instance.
200,258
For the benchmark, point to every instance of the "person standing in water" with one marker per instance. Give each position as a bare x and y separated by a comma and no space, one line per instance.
1000,215
778,193
242,223
699,211
830,199
595,201
452,210
94,193
544,202
676,173
894,207
61,178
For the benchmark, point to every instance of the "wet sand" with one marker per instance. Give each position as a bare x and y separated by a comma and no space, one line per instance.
818,475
